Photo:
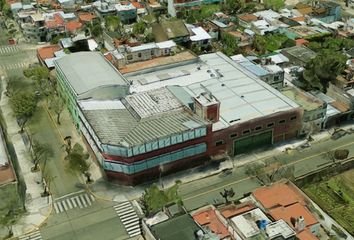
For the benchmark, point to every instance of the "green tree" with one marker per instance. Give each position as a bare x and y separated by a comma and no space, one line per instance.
77,162
113,23
57,104
315,46
139,28
149,19
323,69
260,44
96,30
24,104
229,44
233,6
274,4
41,153
40,76
11,214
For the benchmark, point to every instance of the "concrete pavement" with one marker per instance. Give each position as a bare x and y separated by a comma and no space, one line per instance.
38,208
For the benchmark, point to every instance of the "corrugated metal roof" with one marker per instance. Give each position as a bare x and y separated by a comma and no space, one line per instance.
86,71
119,127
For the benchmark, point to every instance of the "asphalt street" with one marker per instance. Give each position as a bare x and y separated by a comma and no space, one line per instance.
207,190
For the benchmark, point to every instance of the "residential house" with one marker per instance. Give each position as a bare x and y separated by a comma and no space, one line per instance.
269,73
245,20
126,11
35,28
315,109
298,55
46,53
261,27
176,7
105,7
327,12
171,30
199,37
283,200
87,18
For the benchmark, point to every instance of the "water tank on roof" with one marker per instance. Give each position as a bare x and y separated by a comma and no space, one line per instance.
262,224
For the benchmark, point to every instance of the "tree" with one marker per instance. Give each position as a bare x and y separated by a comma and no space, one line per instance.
57,104
77,161
274,4
41,153
323,69
227,193
96,30
11,216
233,6
113,23
149,19
260,44
229,44
40,76
139,28
24,104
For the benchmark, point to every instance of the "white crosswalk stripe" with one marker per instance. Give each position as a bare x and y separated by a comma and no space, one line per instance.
71,202
14,66
31,236
9,49
129,218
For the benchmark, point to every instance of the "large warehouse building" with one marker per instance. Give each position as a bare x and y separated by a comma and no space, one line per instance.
180,115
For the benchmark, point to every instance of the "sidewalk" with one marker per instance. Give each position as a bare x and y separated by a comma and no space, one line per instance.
112,192
38,208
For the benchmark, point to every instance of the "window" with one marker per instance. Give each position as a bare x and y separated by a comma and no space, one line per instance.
129,57
139,55
281,121
233,135
258,128
219,143
270,125
152,53
246,132
293,118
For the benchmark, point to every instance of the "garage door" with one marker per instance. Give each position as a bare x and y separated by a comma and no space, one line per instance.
252,142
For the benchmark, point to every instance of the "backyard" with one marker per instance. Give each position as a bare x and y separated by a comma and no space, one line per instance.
336,196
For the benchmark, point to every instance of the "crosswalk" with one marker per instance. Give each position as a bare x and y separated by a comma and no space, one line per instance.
9,49
79,201
31,236
129,218
14,66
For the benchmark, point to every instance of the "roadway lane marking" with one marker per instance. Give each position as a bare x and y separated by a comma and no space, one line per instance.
247,178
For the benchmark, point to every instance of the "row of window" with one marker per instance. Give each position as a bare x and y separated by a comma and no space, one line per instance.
155,161
151,146
258,128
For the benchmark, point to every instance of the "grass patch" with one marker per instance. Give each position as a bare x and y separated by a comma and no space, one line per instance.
207,10
336,197
275,41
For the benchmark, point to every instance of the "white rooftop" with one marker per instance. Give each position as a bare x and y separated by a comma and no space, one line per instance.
242,96
166,44
279,229
267,14
246,224
199,34
143,47
101,105
124,7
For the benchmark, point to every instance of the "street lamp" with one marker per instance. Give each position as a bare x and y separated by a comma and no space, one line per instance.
160,175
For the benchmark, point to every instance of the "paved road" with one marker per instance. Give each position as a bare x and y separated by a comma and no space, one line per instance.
98,221
206,191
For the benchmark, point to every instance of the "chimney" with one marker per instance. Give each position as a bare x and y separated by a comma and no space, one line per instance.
300,224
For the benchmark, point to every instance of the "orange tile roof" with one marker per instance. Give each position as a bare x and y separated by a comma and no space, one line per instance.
299,19
306,235
57,21
341,106
48,51
86,16
248,17
72,26
210,219
109,57
301,41
7,175
278,194
296,210
138,5
234,210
